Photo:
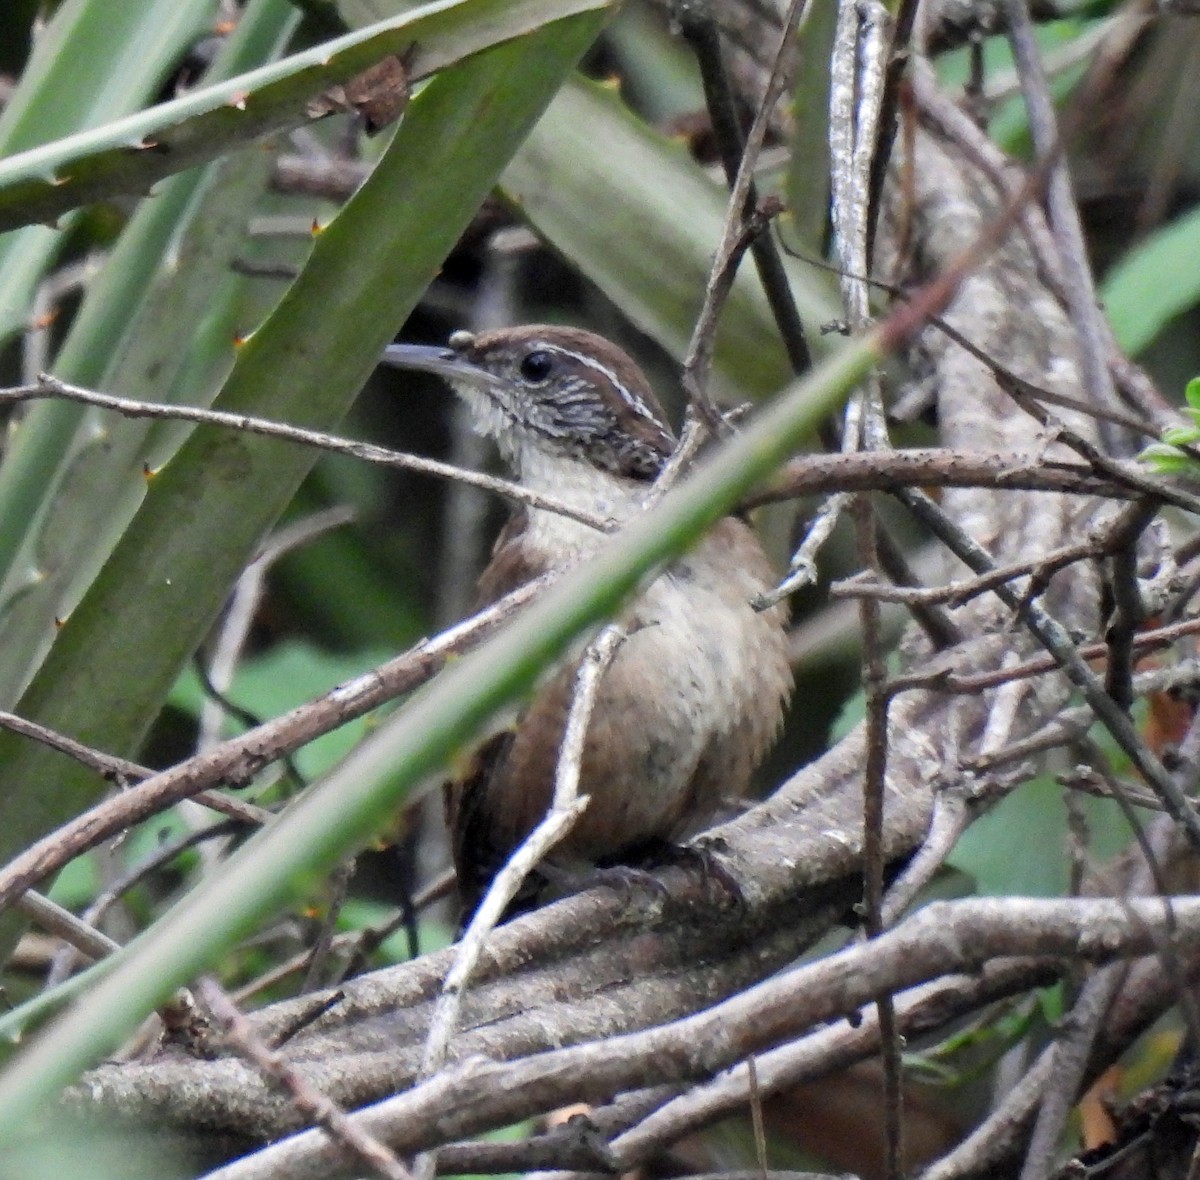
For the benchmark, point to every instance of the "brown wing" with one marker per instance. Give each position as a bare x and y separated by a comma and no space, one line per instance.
478,853
476,859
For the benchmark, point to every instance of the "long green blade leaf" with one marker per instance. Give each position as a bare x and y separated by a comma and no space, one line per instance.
111,666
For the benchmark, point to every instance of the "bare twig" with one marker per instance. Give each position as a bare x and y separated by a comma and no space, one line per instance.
881,152
578,1143
84,937
243,604
743,224
936,467
874,788
948,681
1031,397
565,808
317,1107
64,962
1129,611
697,362
856,94
240,758
361,942
1091,780
51,387
1079,286
957,593
827,1051
1054,1080
951,817
122,771
231,639
339,884
699,27
1054,637
802,568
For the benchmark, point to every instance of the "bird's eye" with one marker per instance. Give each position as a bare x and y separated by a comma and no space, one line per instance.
536,366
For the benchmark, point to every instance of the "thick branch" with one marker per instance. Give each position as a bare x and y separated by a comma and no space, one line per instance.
946,937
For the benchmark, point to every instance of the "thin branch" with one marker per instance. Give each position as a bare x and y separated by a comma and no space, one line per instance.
1129,611
802,568
1155,845
316,1107
217,677
48,387
953,123
338,888
942,631
935,467
699,28
958,593
1030,398
1054,637
951,817
123,772
860,47
947,680
243,605
898,57
829,1050
1065,224
240,758
84,937
1069,726
115,770
697,361
64,963
566,807
1089,780
874,678
578,1144
361,942
1134,385
743,225
1000,1132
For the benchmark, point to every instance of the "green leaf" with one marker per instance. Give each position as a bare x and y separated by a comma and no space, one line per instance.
94,61
136,332
1191,394
112,665
1167,460
1019,847
131,154
1154,283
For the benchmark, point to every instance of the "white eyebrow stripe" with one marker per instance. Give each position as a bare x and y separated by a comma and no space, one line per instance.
630,397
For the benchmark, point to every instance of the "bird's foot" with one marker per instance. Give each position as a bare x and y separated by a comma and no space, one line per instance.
718,883
622,878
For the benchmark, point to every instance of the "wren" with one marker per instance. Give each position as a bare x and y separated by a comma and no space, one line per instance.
695,695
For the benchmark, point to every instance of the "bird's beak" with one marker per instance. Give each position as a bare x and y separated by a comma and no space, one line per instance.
443,362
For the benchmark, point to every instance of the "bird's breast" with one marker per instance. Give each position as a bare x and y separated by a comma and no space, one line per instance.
683,714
